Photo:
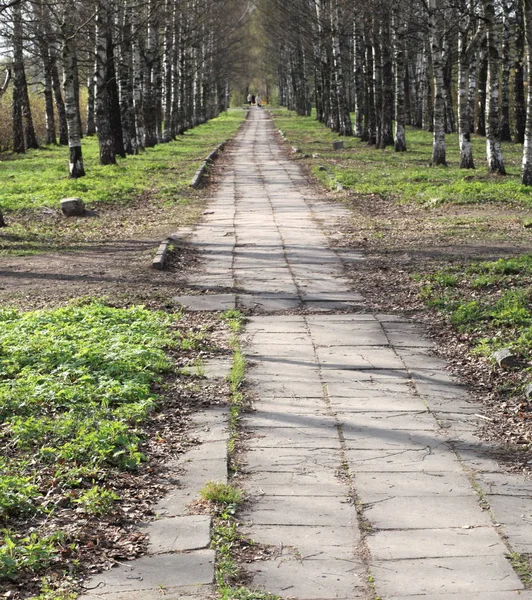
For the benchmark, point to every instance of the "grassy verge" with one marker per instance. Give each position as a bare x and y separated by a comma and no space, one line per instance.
77,402
488,306
489,302
155,182
407,176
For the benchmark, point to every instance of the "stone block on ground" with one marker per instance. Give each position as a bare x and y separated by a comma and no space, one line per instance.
73,207
177,534
506,359
157,572
427,513
435,543
186,592
310,579
430,576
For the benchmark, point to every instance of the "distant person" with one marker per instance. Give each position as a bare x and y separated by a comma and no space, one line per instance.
252,98
249,99
258,100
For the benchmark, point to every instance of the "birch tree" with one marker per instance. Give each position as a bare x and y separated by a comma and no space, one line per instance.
526,171
493,141
437,26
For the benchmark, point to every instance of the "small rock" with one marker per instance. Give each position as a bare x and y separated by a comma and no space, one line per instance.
315,156
296,150
339,187
505,358
73,207
528,391
338,145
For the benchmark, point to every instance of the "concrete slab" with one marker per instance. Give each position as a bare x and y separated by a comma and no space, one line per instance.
322,483
376,401
510,595
310,580
435,543
514,513
269,383
427,458
444,575
505,484
358,333
309,542
203,463
292,438
302,510
421,420
214,302
157,572
359,358
294,406
423,513
188,592
372,487
293,460
178,534
278,419
277,352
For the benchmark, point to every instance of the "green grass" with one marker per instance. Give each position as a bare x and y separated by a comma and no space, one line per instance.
406,176
523,566
76,385
221,493
40,177
491,301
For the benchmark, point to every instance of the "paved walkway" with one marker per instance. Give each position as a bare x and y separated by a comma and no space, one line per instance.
363,468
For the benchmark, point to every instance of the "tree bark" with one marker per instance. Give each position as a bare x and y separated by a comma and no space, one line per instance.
437,32
103,122
76,168
506,135
519,112
59,102
358,76
526,171
464,117
493,141
399,80
21,101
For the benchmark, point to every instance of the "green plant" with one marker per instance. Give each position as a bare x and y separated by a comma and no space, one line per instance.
221,493
237,373
468,314
234,319
17,493
199,366
96,501
32,552
523,567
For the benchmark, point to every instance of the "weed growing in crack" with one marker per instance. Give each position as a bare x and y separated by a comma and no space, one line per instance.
522,564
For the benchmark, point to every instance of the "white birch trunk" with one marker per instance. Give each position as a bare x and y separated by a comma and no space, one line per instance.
76,168
437,32
493,141
526,172
464,118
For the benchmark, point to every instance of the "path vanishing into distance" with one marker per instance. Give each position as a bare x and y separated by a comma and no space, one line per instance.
361,463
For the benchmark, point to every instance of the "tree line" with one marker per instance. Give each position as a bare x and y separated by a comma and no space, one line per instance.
442,65
150,70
